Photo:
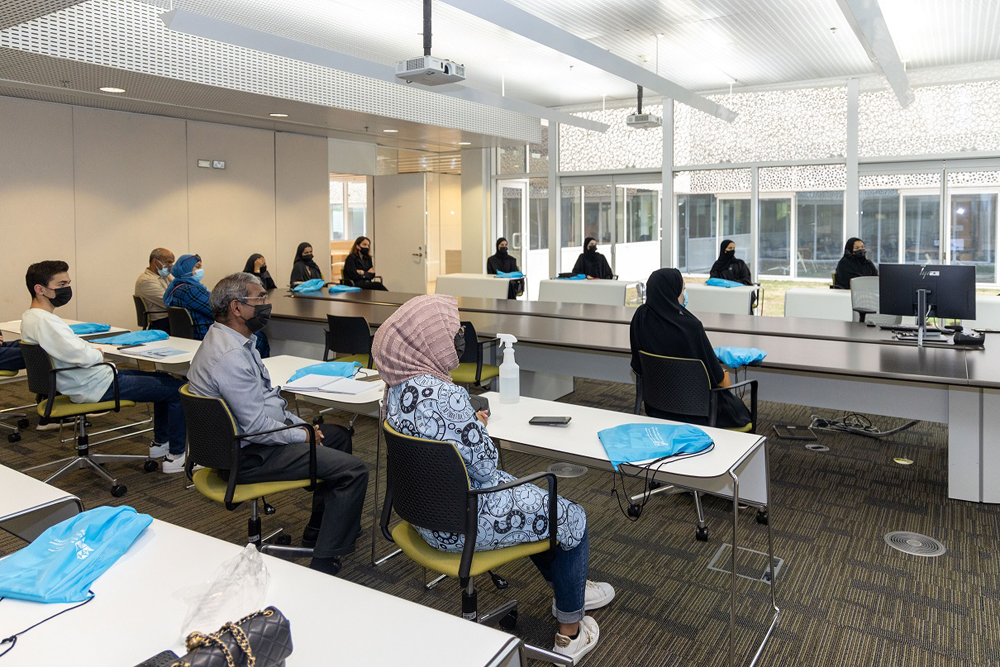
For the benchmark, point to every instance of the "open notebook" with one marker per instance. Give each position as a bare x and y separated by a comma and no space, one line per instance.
328,384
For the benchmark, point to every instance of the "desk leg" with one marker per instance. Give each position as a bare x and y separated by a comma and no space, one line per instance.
965,443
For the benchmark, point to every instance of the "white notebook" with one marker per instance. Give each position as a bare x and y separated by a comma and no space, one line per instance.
329,384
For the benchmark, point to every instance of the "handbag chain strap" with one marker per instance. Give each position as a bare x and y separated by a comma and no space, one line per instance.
197,640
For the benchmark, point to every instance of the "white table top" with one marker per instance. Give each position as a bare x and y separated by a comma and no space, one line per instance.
19,492
284,366
189,346
14,327
136,614
578,439
485,277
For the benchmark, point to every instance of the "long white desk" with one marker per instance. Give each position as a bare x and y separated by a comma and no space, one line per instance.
737,468
13,327
136,614
175,363
28,506
605,292
284,366
725,300
473,284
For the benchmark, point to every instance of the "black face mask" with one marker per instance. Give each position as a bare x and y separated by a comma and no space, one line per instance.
460,344
307,258
591,251
364,251
502,251
263,268
261,316
62,297
730,253
860,254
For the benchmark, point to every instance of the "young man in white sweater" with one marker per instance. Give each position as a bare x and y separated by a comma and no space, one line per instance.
90,382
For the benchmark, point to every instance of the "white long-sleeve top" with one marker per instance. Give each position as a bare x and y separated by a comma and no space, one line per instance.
87,382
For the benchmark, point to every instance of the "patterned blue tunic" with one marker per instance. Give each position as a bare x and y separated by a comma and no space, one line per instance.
430,408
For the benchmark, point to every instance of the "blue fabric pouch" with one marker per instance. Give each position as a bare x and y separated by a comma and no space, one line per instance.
629,443
511,274
310,285
344,369
63,562
84,328
579,276
734,357
133,338
720,282
343,288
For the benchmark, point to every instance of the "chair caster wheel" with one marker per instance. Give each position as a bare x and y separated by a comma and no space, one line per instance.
150,466
509,621
318,420
269,509
762,517
23,423
283,540
498,581
13,437
119,490
701,533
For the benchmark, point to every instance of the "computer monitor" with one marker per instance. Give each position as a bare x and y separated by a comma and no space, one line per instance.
950,291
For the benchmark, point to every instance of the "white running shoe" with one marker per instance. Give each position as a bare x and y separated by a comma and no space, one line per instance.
598,594
584,643
173,463
158,451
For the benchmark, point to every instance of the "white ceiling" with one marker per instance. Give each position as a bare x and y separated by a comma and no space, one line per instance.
705,45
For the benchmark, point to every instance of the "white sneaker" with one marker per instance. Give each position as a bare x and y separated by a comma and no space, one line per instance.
53,425
598,594
584,643
173,463
158,451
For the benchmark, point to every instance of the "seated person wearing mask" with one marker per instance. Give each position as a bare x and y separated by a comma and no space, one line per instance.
729,267
257,265
415,350
186,291
592,263
359,269
501,261
854,264
664,326
304,267
152,283
87,382
228,366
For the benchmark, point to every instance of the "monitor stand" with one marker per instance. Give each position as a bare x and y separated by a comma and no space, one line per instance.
922,319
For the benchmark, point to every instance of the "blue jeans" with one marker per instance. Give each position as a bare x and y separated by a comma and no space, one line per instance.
566,573
162,390
10,356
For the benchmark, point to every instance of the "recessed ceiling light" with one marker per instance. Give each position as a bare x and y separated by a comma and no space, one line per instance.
390,131
112,89
465,143
278,115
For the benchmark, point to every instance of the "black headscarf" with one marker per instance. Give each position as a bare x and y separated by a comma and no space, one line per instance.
851,266
595,265
264,275
725,259
501,262
729,267
499,241
849,246
663,326
302,269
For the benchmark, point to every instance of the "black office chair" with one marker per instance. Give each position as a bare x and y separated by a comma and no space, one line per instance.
141,312
181,324
213,441
471,369
349,336
684,387
52,405
427,485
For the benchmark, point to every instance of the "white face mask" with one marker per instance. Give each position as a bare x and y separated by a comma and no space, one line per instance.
164,270
198,274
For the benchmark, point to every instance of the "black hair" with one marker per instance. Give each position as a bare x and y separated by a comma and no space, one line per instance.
42,273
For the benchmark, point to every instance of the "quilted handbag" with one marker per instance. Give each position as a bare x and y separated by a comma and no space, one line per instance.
261,639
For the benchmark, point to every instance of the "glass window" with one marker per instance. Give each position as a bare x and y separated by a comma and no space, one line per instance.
735,218
538,213
569,219
640,206
973,233
337,227
357,208
820,219
696,233
880,224
597,222
774,254
923,228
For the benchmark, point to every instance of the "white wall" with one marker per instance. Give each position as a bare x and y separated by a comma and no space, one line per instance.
100,189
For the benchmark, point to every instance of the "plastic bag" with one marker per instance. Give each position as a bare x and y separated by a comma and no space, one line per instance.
237,587
84,328
310,285
344,369
343,288
734,357
511,274
133,338
722,282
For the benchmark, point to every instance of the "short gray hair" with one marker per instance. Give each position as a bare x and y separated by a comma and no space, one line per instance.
231,288
159,254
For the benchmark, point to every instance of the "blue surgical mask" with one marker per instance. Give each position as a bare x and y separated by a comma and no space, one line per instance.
198,274
163,271
685,304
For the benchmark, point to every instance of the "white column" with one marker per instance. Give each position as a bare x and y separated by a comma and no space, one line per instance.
668,226
852,202
754,221
555,240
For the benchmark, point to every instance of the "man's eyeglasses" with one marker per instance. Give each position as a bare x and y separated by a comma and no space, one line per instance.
260,298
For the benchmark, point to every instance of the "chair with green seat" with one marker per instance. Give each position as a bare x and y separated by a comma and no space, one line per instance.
427,485
351,337
52,405
214,441
20,419
684,387
181,324
471,369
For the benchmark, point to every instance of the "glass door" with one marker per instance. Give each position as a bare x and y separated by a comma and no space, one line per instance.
774,250
637,212
513,213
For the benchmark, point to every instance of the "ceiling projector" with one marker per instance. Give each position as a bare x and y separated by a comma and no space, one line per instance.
430,71
643,120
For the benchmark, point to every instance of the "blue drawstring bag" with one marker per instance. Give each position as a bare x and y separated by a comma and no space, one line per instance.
643,442
511,274
84,328
344,369
734,357
343,288
63,562
579,276
721,282
133,338
310,285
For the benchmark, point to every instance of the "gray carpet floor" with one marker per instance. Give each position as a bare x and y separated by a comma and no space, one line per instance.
846,597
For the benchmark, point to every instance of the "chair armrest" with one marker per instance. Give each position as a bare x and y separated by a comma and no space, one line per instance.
311,436
53,392
753,397
520,481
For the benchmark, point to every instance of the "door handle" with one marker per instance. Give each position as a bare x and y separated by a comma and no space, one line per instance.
418,254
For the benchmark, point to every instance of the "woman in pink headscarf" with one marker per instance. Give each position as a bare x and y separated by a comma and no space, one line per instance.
415,351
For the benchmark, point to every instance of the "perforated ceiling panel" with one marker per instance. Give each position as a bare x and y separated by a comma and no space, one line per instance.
128,35
13,12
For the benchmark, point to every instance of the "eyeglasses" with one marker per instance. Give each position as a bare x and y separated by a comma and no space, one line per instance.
260,298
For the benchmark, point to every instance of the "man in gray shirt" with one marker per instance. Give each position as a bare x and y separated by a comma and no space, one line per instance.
228,366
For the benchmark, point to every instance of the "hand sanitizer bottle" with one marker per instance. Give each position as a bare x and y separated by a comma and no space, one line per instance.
510,374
